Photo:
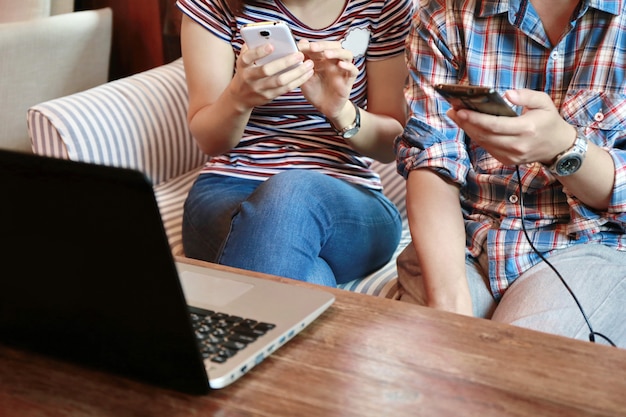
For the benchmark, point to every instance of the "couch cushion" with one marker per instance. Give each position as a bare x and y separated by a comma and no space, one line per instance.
171,196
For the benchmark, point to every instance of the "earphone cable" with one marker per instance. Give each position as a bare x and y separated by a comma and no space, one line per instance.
592,333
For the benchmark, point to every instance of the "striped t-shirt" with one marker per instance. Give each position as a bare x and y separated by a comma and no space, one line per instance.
288,132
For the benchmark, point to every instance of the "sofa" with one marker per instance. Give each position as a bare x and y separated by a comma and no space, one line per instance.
139,122
14,11
47,51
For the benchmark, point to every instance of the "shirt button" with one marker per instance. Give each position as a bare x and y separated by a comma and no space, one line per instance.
513,198
598,117
554,55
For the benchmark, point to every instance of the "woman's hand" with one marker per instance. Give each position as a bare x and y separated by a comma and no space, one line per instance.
334,74
325,75
255,85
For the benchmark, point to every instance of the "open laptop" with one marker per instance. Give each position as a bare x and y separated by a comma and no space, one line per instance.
87,276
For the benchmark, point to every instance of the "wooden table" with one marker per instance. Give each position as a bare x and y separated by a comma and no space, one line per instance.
365,356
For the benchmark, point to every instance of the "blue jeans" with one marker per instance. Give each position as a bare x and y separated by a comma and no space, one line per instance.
297,224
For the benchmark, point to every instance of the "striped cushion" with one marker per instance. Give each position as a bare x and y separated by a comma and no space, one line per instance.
140,122
171,196
137,122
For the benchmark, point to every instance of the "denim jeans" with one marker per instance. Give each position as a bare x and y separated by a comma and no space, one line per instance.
298,224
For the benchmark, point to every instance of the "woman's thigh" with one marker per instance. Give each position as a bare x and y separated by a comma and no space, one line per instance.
596,275
298,223
210,205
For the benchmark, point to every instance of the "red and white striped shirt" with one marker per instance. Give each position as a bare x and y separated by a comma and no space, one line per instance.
288,132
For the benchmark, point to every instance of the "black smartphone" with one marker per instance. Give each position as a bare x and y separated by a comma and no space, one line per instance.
481,99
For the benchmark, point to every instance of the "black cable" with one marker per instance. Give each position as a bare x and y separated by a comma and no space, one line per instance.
592,333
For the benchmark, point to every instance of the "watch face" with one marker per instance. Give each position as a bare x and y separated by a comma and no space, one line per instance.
569,165
348,134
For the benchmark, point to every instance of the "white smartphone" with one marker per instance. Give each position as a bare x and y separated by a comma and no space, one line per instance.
277,33
482,99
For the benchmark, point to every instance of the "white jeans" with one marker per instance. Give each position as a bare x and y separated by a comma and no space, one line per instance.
539,300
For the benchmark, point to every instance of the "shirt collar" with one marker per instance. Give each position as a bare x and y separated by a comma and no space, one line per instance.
493,7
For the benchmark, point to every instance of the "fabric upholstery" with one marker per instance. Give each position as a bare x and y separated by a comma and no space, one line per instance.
18,10
140,122
61,6
47,58
136,122
410,290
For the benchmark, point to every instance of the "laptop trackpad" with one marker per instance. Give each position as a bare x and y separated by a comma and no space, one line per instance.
202,289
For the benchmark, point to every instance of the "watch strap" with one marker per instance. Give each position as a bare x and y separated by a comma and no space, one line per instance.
352,129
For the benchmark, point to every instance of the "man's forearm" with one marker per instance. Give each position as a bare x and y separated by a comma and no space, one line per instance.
438,235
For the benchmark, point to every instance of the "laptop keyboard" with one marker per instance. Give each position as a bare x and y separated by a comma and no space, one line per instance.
221,336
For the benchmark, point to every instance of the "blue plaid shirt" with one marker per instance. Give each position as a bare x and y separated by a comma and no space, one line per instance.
502,44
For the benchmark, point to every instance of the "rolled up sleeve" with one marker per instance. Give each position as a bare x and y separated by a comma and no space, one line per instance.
421,146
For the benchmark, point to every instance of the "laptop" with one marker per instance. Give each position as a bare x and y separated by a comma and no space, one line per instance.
88,277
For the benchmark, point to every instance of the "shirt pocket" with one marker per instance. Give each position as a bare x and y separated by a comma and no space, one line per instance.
603,113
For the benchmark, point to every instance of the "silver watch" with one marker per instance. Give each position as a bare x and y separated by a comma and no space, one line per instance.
568,162
353,128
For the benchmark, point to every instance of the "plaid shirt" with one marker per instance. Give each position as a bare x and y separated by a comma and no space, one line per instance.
502,44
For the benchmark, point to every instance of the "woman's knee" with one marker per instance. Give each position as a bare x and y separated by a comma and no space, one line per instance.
292,194
299,184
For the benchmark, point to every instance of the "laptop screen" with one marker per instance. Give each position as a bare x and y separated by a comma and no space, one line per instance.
88,274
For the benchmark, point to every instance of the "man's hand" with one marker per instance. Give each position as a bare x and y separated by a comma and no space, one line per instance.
538,135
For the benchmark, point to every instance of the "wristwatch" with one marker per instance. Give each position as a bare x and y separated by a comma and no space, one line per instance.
352,129
568,162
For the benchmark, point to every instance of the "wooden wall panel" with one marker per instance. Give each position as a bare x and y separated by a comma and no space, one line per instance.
144,32
171,30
